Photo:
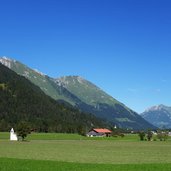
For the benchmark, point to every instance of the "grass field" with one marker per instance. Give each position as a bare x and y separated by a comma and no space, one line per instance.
39,165
73,152
61,136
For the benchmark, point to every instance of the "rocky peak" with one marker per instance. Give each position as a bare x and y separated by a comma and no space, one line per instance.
156,108
7,61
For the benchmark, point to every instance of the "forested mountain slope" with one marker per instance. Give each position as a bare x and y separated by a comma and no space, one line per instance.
21,100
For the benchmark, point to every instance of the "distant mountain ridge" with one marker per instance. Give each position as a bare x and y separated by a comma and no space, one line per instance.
159,115
83,95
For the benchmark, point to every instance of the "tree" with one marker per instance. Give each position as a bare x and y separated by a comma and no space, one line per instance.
81,130
117,132
141,135
23,129
149,135
162,135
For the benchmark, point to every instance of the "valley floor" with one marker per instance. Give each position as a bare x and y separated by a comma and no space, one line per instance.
72,152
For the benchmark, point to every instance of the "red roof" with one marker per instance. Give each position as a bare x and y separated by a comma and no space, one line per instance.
101,130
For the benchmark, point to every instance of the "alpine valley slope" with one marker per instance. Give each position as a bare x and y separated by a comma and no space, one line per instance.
159,115
21,100
83,95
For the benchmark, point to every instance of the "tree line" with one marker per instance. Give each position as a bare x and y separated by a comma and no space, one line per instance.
162,135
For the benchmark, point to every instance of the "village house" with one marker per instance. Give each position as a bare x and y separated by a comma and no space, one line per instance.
99,132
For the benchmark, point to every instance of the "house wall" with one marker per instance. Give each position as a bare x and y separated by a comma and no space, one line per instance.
95,134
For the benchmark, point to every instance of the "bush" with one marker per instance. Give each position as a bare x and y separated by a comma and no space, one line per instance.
141,135
23,129
162,135
149,135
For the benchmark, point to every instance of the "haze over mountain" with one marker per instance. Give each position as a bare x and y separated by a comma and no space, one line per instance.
82,94
159,115
21,100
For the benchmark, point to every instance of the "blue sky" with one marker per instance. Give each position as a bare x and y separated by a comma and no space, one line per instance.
123,46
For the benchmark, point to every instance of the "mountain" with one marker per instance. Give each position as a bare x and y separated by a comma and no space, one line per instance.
160,116
43,81
21,100
81,94
102,104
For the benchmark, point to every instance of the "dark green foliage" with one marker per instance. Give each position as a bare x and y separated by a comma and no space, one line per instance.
145,135
141,134
119,114
149,135
162,135
117,132
81,130
20,100
23,129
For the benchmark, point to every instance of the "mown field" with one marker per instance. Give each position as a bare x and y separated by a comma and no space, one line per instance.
74,152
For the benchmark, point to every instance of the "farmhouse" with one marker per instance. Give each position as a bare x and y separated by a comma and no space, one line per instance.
99,132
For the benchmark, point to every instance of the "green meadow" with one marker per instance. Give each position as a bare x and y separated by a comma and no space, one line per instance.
73,152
